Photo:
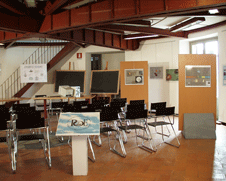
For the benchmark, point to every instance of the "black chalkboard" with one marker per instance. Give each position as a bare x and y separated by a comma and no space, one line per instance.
105,82
71,78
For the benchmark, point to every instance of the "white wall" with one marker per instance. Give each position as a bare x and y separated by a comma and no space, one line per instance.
162,52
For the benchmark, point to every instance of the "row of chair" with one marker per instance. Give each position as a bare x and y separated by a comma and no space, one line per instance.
23,117
115,118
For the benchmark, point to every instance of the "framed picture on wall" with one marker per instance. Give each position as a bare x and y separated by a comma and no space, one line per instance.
134,76
156,72
224,75
197,76
172,74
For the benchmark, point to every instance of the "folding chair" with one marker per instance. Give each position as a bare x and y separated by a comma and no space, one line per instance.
165,113
137,117
108,119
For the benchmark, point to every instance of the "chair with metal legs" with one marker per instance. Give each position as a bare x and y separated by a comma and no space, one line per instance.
8,128
108,121
32,120
137,117
165,113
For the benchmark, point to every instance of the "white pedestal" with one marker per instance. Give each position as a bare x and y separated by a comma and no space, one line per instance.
79,155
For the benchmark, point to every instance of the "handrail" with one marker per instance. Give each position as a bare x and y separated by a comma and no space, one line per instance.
42,55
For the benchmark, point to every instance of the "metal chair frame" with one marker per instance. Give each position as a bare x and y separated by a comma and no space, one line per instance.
109,127
165,113
136,119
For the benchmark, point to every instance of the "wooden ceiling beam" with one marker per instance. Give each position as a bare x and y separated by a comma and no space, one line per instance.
108,11
51,7
144,30
16,7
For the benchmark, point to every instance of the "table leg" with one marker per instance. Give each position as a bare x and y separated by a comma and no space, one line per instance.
45,109
79,155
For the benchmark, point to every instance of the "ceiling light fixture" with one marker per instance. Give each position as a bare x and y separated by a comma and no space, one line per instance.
213,11
186,24
139,37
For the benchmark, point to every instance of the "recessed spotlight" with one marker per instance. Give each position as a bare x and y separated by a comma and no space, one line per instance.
213,11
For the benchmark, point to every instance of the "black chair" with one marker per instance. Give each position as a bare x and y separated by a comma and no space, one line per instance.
33,120
108,119
165,113
157,105
137,117
136,102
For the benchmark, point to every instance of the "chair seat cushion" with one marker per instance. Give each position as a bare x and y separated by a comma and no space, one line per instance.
159,123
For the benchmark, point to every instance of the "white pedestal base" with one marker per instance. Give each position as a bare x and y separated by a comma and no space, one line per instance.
79,155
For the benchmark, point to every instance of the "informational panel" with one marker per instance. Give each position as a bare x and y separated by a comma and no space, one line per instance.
156,72
74,124
172,74
71,78
104,82
32,73
197,75
196,99
133,91
134,76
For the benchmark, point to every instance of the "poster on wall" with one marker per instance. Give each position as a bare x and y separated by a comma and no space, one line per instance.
156,72
224,75
172,74
33,73
73,124
197,76
134,76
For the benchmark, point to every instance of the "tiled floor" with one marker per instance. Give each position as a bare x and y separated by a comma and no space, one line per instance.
195,160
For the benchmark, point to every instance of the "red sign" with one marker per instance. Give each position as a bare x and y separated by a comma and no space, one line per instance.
79,55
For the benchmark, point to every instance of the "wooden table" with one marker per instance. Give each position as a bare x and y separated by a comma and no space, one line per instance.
18,99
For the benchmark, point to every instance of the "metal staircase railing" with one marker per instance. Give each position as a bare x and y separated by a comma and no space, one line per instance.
42,55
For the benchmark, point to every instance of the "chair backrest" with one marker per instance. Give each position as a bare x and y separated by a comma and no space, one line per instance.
136,114
5,116
133,107
29,119
123,100
158,105
136,102
58,104
108,114
117,104
20,107
165,112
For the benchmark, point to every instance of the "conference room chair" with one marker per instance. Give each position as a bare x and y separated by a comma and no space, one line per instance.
157,105
33,120
108,122
164,117
16,128
8,126
136,115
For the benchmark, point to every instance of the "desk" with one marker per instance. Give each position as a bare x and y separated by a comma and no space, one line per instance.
17,99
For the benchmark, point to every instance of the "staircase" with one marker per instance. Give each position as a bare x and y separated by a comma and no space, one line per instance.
50,55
